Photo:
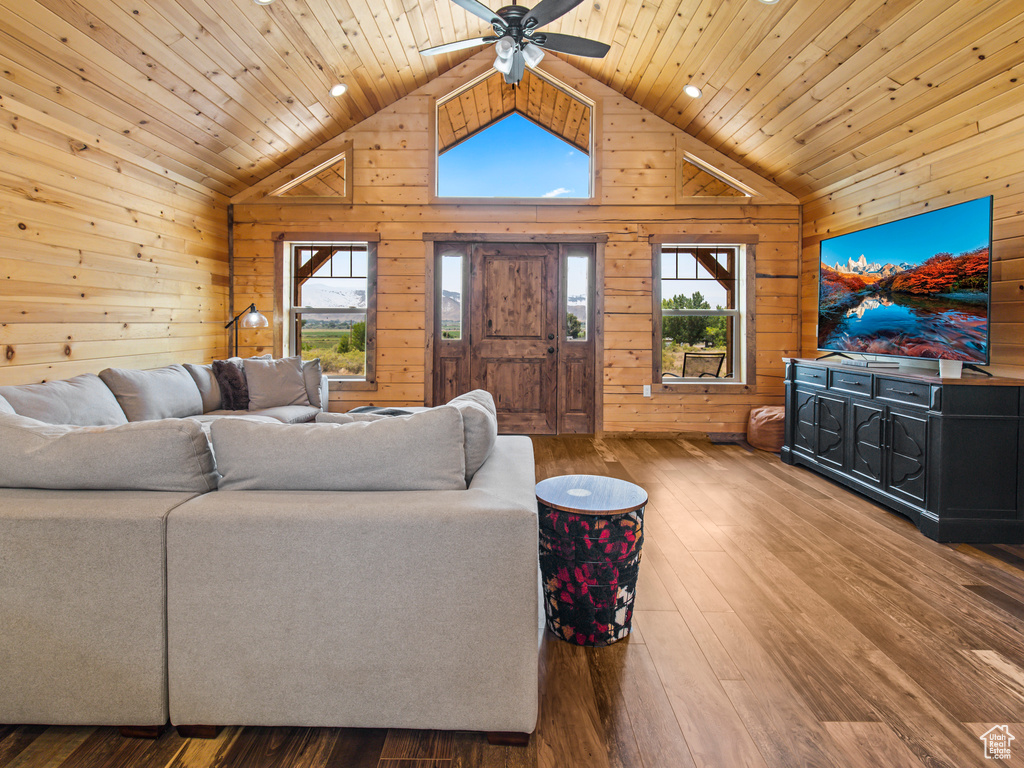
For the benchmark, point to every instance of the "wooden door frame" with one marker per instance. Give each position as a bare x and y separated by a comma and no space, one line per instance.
430,239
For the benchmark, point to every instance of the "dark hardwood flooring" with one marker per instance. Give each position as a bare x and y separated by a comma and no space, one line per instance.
781,621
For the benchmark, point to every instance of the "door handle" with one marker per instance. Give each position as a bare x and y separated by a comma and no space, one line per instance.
551,350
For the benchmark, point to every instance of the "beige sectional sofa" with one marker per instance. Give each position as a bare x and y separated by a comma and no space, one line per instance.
255,572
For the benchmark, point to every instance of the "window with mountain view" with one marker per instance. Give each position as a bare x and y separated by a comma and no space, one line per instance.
332,306
701,318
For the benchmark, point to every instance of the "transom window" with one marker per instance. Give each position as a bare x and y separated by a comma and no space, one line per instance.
332,306
700,313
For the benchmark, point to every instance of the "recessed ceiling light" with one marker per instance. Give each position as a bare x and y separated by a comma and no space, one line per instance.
692,91
766,2
263,2
339,89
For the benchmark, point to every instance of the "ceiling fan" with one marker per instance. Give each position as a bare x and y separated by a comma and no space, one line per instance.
517,41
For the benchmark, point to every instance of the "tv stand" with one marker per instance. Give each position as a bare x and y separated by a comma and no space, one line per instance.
835,354
973,367
947,453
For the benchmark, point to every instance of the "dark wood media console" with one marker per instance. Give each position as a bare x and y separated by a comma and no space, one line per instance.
947,453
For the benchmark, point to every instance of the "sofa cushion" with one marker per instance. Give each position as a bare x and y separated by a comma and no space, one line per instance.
275,382
287,414
160,393
83,400
5,407
348,418
313,375
207,385
164,455
234,392
422,452
481,423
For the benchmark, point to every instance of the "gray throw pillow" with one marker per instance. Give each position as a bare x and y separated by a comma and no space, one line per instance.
5,407
312,374
161,393
165,455
275,382
480,418
207,385
83,400
421,452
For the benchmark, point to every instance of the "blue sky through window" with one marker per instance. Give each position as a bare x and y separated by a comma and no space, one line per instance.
514,158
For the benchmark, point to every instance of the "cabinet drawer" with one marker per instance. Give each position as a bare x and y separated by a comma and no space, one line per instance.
810,375
851,381
909,392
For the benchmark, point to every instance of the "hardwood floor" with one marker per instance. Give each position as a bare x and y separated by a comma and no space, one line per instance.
781,621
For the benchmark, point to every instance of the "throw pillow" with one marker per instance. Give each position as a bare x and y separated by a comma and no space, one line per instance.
275,382
234,392
421,452
313,375
161,393
5,407
83,400
207,384
163,455
480,418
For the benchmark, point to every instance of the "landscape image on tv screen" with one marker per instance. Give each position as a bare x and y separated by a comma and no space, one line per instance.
918,287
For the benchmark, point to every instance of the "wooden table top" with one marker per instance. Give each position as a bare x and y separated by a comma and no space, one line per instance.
591,494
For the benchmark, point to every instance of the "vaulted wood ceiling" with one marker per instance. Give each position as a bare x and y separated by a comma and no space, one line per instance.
808,93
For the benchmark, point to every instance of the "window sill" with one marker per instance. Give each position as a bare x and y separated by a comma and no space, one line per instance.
695,387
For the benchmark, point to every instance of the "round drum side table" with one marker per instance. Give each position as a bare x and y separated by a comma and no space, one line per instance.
591,532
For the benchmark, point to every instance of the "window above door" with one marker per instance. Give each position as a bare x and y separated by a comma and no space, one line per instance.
529,142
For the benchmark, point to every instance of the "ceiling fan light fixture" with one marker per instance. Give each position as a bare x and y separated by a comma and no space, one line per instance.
503,65
263,2
504,48
532,54
692,91
338,90
769,2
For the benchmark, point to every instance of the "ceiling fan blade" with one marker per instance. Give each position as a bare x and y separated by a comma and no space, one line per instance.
479,9
577,46
457,45
547,11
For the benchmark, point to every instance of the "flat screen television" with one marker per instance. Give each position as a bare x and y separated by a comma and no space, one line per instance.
917,287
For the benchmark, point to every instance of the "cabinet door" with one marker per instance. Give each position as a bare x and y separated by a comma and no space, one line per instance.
867,426
830,432
907,460
803,430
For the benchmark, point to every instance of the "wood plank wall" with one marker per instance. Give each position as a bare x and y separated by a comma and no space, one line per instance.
639,198
984,156
107,259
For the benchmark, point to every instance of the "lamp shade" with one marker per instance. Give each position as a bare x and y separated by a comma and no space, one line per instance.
254,319
532,54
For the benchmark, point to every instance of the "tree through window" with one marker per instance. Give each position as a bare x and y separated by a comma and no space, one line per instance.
332,306
700,313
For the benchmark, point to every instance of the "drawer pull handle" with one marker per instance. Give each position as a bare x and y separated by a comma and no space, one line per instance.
904,392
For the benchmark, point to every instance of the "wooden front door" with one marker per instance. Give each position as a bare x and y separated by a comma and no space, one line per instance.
512,335
513,327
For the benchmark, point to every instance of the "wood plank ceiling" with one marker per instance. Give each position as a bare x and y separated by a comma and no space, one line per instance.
808,93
